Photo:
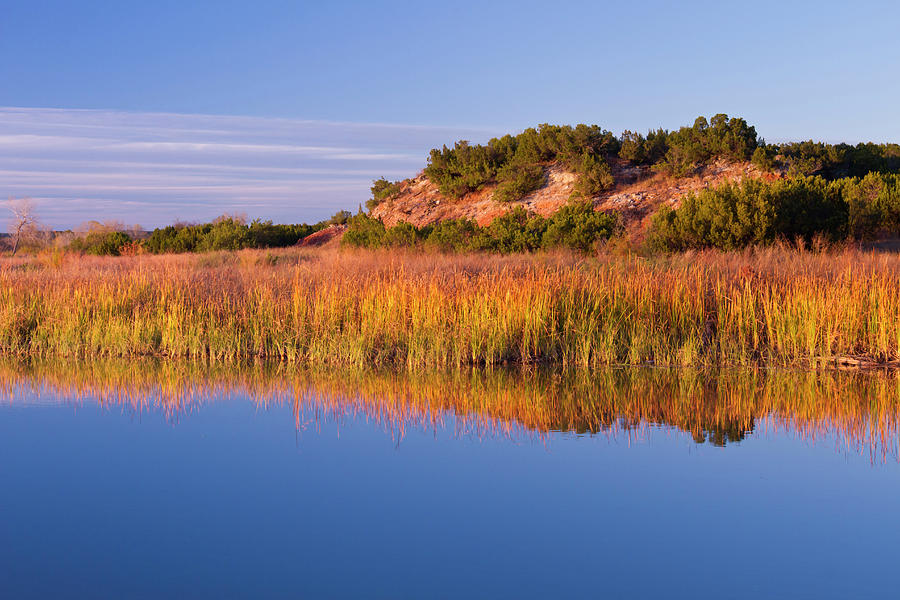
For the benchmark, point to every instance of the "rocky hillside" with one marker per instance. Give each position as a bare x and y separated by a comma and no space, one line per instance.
637,192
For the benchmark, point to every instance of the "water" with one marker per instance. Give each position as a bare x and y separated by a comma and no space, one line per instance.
155,480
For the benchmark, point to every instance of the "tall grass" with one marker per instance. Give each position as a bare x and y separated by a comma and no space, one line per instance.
773,307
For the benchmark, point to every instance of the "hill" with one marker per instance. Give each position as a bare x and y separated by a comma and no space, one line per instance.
712,184
542,168
637,191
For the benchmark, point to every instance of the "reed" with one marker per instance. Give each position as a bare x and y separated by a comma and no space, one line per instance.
777,306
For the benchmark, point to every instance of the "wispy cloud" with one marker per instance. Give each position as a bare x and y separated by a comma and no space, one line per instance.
154,168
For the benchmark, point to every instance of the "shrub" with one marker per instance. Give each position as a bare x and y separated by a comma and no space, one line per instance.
866,215
101,243
514,231
656,145
339,218
465,168
633,147
175,238
364,232
382,189
578,226
764,158
594,176
887,203
735,215
402,234
453,234
226,234
517,181
575,226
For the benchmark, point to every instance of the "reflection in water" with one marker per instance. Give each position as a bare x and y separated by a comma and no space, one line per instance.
860,410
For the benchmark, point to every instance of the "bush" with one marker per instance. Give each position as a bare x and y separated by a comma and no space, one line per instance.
382,189
656,145
364,232
225,234
102,243
339,218
403,235
886,204
514,231
453,234
764,158
517,181
466,168
633,147
735,215
594,176
578,226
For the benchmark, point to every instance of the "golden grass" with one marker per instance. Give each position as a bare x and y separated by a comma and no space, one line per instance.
413,311
861,411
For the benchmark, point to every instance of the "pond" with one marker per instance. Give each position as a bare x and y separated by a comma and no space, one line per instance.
157,479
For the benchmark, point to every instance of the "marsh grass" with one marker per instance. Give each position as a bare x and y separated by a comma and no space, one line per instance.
778,306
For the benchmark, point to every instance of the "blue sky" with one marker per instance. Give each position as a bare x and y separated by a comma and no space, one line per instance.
237,86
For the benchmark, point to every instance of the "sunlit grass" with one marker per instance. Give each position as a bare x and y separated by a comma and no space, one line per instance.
772,307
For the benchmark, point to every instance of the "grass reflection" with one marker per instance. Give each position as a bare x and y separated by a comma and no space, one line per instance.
861,410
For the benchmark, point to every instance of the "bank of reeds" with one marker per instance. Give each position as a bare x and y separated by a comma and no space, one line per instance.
773,307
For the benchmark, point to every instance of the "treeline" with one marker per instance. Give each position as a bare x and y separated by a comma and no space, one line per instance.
225,233
680,152
516,162
831,161
575,226
758,212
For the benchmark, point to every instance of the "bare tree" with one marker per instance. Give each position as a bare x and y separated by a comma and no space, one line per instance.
23,220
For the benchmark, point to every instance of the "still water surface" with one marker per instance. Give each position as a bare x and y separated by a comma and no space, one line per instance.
155,480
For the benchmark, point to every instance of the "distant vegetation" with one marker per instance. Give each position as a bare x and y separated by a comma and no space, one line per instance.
576,226
832,161
108,243
225,233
